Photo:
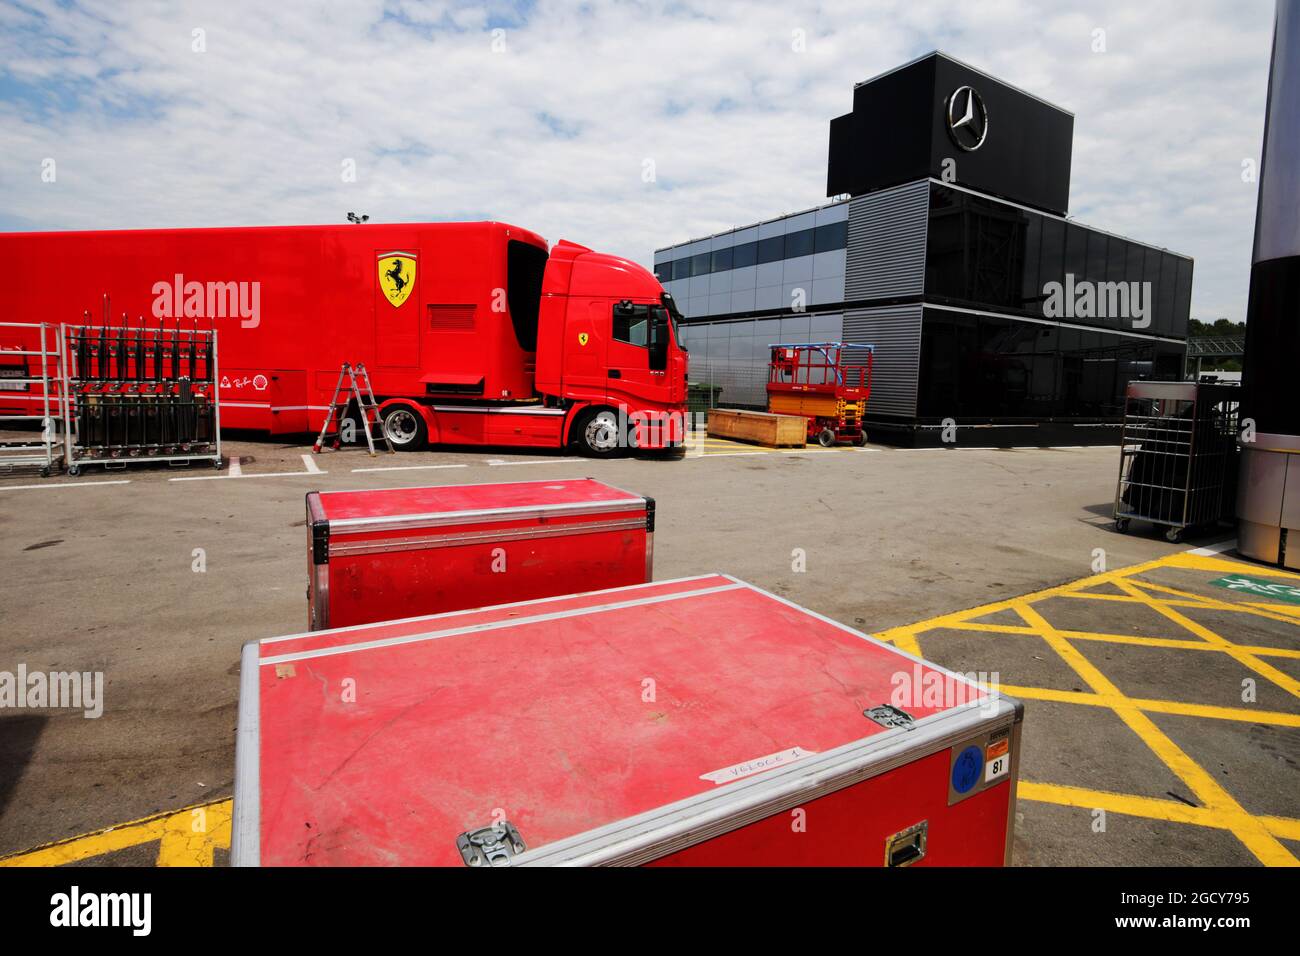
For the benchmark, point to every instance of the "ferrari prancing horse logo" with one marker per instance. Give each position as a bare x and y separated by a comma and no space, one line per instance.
582,338
397,276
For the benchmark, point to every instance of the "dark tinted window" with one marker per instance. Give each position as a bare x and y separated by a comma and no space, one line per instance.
744,255
700,264
1031,293
830,237
631,325
1051,261
980,368
799,244
1183,297
682,269
1076,251
1117,260
525,264
664,271
771,249
1097,243
721,259
1168,292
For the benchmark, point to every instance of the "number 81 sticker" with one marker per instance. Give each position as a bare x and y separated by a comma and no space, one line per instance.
997,759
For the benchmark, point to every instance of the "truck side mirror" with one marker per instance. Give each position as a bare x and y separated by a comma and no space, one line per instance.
658,339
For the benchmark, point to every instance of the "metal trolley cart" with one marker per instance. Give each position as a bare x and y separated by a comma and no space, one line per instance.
1177,455
811,379
36,361
136,394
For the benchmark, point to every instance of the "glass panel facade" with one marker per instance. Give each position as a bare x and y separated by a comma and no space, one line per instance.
805,242
986,254
979,367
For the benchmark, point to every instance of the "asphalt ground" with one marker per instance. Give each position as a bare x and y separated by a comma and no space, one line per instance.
1162,710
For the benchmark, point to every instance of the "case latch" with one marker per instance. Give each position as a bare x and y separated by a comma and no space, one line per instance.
886,715
494,845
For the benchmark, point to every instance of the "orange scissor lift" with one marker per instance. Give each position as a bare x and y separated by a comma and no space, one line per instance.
810,379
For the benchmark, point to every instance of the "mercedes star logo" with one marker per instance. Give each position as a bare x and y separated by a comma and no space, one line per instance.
968,120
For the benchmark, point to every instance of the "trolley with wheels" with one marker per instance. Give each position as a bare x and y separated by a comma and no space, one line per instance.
1178,456
828,383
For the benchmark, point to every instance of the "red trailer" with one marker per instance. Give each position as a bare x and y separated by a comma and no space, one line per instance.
473,333
691,722
814,380
392,553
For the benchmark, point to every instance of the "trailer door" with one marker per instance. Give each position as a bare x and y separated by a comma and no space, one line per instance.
397,308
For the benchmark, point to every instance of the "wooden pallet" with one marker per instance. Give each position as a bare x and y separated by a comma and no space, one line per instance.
759,428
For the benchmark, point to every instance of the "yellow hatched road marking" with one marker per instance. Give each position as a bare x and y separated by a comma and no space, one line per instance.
1246,715
1259,834
1151,808
1171,642
1250,661
1247,828
180,843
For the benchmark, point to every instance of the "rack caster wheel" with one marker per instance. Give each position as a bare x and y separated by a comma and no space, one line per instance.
218,464
1121,525
45,471
74,470
1174,535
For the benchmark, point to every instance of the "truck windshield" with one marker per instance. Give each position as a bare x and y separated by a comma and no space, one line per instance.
675,317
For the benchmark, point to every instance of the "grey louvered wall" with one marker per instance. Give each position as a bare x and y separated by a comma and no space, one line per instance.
887,232
895,331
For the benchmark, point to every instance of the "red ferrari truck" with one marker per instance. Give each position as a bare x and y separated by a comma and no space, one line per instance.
473,333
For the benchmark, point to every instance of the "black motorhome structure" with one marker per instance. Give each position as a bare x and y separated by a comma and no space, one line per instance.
947,247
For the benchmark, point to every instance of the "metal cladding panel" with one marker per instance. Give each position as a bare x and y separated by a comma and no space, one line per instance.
895,331
886,252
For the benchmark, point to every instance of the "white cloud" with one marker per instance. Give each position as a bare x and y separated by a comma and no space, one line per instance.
147,132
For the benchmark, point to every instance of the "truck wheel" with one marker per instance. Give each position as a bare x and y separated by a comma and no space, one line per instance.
405,429
596,433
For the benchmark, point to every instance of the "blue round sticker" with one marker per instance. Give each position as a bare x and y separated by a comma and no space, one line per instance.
966,769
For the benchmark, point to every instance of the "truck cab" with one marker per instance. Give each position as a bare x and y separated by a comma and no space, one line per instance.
609,349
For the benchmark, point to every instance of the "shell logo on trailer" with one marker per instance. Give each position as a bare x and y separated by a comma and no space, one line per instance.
397,276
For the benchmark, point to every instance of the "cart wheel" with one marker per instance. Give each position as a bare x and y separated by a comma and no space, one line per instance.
1121,525
826,438
1174,535
74,470
45,471
218,463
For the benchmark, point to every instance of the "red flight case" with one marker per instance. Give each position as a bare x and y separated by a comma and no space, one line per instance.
400,552
692,722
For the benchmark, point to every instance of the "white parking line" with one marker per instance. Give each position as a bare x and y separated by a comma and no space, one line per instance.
269,474
66,484
545,461
310,463
233,468
409,467
1210,550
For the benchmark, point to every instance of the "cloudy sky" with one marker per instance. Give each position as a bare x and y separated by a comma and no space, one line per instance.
547,114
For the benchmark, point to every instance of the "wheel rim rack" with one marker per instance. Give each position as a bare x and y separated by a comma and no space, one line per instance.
49,373
140,394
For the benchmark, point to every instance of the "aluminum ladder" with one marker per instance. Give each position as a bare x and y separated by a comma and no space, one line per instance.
358,390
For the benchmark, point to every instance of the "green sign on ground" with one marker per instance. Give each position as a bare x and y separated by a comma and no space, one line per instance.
1277,590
